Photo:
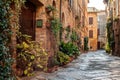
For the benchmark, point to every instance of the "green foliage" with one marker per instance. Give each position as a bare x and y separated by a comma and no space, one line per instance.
68,29
86,44
5,35
30,54
41,56
68,32
74,36
116,19
25,57
50,8
6,24
107,47
62,58
69,48
56,26
110,35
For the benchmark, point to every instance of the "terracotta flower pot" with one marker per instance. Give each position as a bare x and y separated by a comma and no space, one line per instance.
48,24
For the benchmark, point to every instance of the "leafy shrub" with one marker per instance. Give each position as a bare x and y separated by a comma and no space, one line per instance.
69,48
30,54
62,58
24,56
107,48
41,57
74,36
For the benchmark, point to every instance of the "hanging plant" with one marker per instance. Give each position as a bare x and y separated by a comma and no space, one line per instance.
50,8
48,24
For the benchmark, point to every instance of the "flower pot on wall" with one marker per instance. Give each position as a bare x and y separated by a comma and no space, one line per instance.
48,24
47,10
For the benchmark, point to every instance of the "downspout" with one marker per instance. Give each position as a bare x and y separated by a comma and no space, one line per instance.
118,8
60,20
60,10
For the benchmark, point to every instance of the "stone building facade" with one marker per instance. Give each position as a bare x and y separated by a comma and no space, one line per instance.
101,29
79,19
113,12
84,22
35,17
34,21
92,28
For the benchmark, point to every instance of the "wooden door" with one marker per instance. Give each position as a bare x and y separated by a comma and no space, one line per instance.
98,46
27,19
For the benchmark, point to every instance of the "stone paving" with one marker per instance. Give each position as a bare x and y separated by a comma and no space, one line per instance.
89,66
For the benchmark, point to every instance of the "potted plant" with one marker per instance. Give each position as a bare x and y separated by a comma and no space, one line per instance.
49,8
48,24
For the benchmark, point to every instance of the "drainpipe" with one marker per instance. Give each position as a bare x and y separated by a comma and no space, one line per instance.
118,8
60,19
60,10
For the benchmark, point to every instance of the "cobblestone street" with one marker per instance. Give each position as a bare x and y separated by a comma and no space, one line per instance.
89,66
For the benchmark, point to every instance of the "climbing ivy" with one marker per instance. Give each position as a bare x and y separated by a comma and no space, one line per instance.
5,35
55,26
110,35
74,36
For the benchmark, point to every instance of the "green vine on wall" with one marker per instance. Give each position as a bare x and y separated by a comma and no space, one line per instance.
56,26
110,35
74,36
5,33
5,37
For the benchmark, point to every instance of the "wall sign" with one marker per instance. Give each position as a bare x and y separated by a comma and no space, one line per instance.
39,23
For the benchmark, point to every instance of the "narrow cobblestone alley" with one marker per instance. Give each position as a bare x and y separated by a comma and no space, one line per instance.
59,40
89,66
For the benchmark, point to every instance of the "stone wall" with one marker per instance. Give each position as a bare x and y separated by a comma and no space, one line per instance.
116,38
68,15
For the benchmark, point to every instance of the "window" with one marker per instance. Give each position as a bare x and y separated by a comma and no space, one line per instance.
90,33
90,20
70,2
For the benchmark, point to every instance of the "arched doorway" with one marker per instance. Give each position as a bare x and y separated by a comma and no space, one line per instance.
27,19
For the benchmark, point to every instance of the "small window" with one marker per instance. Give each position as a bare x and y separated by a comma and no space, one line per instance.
90,20
90,33
70,2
